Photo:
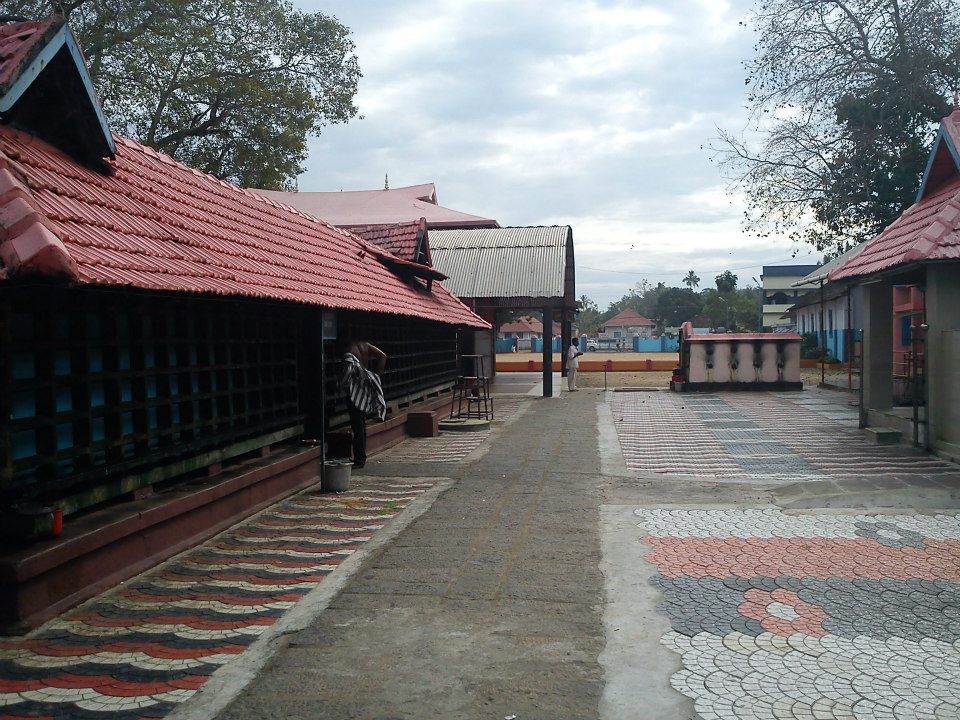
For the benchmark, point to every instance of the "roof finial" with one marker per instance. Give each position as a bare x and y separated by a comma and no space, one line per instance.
386,181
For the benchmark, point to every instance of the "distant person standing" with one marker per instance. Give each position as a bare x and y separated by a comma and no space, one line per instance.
364,391
573,362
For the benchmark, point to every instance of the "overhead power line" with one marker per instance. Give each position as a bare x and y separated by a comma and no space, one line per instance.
670,272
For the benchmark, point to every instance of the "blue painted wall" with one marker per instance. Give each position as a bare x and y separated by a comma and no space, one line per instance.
837,342
660,344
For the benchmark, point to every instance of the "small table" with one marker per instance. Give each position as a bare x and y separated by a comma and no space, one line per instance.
471,394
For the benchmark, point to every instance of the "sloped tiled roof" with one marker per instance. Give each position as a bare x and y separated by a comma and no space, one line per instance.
629,318
528,324
378,207
158,225
523,324
401,239
927,231
19,44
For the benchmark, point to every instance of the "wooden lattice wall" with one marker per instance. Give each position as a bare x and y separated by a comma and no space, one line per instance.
103,391
107,384
421,357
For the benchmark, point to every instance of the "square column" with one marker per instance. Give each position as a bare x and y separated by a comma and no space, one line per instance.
943,358
877,380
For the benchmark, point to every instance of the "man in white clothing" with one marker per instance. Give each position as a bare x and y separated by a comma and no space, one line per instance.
573,362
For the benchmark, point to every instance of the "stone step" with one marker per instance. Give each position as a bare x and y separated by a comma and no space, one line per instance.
464,424
882,435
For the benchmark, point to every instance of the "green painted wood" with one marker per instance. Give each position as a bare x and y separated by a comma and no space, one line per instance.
115,488
6,463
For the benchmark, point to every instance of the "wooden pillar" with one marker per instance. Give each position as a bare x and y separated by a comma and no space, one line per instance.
565,338
547,351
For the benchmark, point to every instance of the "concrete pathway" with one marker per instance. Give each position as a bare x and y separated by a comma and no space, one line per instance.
593,555
488,605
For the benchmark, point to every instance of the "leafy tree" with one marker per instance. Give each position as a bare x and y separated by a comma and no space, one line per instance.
735,311
844,95
726,281
714,307
642,298
677,305
588,319
231,87
692,280
810,346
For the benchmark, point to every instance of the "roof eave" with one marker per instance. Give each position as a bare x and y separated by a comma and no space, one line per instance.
867,278
457,224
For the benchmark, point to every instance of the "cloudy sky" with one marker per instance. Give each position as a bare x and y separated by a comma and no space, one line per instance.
585,113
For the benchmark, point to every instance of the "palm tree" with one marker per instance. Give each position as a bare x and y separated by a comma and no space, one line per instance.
692,280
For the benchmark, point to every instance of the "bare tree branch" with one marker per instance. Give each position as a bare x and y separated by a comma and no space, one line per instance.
844,97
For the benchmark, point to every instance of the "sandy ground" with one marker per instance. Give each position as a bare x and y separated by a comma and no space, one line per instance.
595,355
810,376
661,379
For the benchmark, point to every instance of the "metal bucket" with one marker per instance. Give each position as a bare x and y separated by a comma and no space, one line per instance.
336,475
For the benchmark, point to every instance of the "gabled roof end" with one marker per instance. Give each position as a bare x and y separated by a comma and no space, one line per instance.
943,164
46,90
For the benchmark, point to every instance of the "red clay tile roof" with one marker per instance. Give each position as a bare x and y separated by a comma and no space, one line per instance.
19,44
629,318
944,163
522,324
158,225
927,231
400,239
527,324
379,207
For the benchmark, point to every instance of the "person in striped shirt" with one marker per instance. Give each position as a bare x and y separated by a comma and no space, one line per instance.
364,391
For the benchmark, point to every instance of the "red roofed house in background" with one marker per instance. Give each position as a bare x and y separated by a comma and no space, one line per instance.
915,262
521,333
626,325
157,323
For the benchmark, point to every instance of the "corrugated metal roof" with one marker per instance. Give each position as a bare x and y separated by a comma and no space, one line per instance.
528,262
823,271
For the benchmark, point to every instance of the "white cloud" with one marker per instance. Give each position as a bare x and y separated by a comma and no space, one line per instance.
583,112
